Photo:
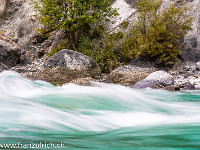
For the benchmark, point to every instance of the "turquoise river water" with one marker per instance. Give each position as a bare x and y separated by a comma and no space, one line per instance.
37,115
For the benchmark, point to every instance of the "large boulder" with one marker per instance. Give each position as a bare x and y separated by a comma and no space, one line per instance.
67,65
156,78
71,59
9,54
129,74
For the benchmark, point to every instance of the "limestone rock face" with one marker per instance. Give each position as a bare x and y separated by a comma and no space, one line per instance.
192,39
3,4
20,21
156,78
67,65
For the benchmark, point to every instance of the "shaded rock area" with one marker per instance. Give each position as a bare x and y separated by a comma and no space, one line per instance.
9,54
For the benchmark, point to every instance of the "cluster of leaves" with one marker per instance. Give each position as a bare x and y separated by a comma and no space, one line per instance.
75,17
158,32
103,50
57,48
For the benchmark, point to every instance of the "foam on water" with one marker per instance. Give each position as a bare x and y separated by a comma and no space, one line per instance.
82,116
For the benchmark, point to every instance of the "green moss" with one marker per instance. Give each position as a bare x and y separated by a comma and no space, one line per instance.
57,83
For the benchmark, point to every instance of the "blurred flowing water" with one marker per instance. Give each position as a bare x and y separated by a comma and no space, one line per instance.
103,117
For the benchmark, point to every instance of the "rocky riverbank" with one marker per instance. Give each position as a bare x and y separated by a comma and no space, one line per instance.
68,66
23,51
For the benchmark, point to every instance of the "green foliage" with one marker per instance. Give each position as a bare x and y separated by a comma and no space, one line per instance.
42,32
103,51
124,24
75,17
57,48
57,83
158,33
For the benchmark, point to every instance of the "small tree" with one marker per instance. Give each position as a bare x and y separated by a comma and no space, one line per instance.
158,32
76,17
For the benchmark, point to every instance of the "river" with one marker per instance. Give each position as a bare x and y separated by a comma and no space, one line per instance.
38,115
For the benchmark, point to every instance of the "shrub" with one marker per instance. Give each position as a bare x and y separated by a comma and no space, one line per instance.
76,17
104,50
158,31
57,48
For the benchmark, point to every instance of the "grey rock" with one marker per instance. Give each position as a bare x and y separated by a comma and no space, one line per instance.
72,60
189,66
187,86
9,53
195,81
156,78
198,66
67,65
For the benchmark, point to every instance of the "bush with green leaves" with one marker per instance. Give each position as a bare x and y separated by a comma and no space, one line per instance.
158,31
56,48
103,50
75,17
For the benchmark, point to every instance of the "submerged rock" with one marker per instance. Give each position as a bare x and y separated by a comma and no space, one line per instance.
156,78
